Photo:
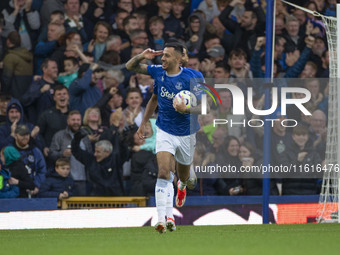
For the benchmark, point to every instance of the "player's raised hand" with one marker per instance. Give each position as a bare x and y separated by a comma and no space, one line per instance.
150,53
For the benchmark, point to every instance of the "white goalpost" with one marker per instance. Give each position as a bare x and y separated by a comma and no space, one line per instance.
330,192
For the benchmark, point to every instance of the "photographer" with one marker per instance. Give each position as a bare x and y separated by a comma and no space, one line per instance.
83,91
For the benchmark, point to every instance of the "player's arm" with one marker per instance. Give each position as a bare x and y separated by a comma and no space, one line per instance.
150,109
135,65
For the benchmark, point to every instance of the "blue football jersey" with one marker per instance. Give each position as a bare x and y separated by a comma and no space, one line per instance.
166,87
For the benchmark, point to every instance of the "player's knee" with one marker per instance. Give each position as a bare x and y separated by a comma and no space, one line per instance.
163,173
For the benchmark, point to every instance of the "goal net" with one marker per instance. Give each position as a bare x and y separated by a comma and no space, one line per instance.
329,197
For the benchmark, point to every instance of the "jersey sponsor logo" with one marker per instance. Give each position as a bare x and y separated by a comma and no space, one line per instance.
167,94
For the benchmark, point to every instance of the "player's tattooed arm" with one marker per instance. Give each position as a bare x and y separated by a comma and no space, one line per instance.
135,64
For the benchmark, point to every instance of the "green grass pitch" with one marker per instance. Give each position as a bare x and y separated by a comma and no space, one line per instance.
320,239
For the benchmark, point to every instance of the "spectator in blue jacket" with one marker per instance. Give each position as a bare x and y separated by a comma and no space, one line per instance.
45,48
59,183
14,117
30,155
83,91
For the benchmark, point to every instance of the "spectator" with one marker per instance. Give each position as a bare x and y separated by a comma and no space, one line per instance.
300,153
97,45
14,117
221,72
4,101
172,26
109,103
244,33
40,94
141,17
134,99
137,37
158,38
19,174
99,10
58,184
67,49
44,49
17,67
83,91
61,147
56,17
125,5
194,62
294,40
48,7
92,124
194,33
114,42
54,119
104,167
31,156
20,17
228,152
7,190
121,14
75,22
145,84
239,65
209,7
71,71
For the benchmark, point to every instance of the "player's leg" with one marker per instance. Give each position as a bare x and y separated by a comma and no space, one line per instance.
170,220
164,160
184,157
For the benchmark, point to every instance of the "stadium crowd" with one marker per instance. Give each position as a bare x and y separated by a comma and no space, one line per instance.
69,108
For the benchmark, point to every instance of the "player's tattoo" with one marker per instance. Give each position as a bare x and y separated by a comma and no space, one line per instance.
135,65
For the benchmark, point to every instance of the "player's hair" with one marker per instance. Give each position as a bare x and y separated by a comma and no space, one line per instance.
178,47
62,162
300,130
72,59
105,144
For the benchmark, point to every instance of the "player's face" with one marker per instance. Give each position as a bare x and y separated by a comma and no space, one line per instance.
169,59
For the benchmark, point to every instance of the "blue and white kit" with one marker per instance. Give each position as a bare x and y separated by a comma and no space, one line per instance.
179,130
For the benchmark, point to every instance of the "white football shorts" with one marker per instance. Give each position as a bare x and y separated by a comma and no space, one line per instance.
182,147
